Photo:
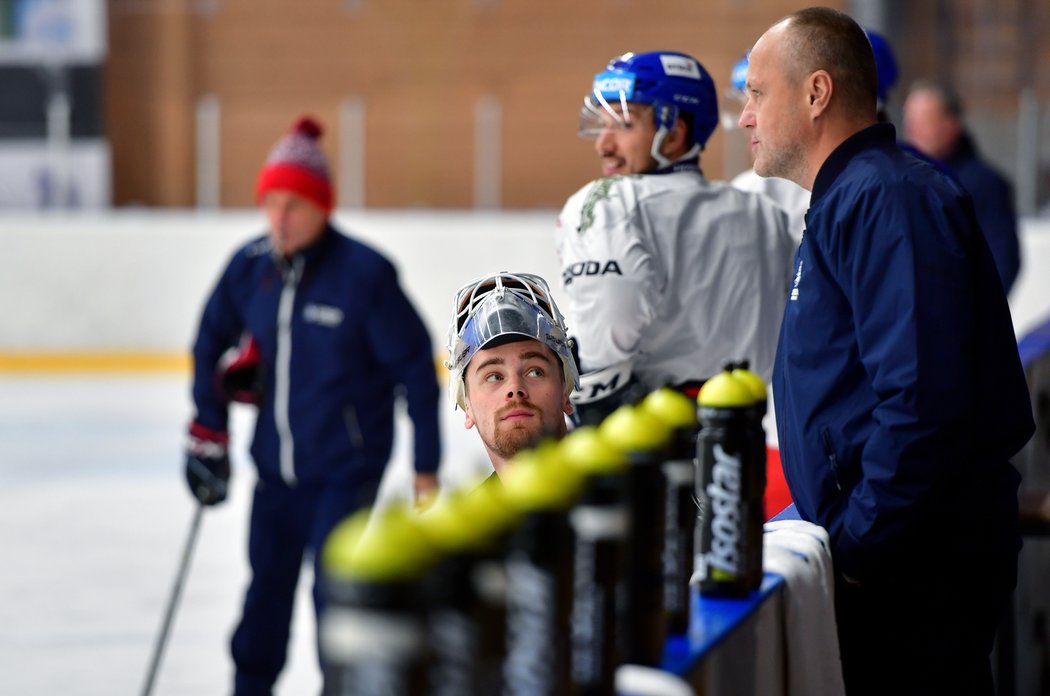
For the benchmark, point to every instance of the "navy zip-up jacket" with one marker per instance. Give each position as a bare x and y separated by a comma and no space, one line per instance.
339,341
899,393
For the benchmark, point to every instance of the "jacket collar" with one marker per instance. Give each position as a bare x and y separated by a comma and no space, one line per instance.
879,136
309,254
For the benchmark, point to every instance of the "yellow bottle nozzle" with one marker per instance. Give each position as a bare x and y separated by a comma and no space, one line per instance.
634,429
589,452
383,545
487,506
540,479
672,407
725,390
447,524
754,383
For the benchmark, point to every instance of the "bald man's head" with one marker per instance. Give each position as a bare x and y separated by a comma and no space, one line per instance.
819,38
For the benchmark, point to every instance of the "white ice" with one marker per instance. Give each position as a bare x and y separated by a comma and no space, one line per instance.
94,514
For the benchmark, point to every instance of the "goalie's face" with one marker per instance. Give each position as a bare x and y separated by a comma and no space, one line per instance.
295,222
515,395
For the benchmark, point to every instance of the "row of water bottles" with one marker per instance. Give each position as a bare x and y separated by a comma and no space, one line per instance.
577,560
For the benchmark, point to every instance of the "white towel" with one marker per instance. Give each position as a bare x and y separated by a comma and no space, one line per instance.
636,680
799,551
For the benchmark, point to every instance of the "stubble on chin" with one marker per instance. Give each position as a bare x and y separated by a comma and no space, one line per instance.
785,163
509,442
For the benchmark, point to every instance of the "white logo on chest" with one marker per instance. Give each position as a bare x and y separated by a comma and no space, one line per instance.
798,278
324,315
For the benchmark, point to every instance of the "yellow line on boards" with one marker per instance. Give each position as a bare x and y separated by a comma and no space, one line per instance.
94,362
117,362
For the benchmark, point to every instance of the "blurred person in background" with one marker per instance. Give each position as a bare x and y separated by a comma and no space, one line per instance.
666,274
511,369
312,327
900,396
933,123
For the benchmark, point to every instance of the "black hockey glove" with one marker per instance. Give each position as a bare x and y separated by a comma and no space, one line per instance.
207,463
603,391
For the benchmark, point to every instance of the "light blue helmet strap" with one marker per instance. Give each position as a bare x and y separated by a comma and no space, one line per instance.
658,140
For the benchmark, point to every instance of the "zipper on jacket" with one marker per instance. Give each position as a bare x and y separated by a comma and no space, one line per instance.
353,427
829,450
283,370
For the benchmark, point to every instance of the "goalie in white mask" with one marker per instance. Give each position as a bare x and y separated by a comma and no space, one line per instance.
666,274
510,366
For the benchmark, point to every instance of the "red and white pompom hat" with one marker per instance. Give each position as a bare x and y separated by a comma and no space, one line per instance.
297,164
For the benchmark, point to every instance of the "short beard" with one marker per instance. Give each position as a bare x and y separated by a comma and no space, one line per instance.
786,163
508,443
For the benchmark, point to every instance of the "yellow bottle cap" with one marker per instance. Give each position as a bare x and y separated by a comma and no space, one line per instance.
635,430
487,506
725,390
672,407
588,451
384,545
754,383
447,524
540,479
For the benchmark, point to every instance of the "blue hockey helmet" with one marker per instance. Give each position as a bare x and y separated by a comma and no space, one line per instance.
738,76
885,64
673,84
735,96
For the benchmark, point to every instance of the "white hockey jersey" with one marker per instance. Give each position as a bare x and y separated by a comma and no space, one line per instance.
674,274
787,194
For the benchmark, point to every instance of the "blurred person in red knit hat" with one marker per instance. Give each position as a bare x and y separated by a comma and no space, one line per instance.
313,328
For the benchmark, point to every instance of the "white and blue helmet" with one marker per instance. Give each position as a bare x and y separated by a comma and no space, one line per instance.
499,308
736,95
738,76
673,84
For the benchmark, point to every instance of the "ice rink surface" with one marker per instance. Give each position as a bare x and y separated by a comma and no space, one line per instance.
94,514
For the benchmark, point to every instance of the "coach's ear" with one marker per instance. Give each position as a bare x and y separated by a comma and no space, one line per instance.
819,90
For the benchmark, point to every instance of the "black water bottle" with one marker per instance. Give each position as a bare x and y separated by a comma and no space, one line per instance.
541,487
465,591
759,476
642,623
372,631
731,458
678,412
601,521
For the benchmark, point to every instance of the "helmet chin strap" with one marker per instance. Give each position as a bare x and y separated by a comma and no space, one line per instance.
662,161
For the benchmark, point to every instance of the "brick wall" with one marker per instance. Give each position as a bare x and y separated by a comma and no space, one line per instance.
419,68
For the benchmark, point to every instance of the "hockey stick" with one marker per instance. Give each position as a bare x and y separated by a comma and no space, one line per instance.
180,578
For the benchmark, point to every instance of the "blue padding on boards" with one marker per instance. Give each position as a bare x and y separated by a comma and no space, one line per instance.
713,620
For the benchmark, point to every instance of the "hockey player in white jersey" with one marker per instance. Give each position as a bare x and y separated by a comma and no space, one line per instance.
666,274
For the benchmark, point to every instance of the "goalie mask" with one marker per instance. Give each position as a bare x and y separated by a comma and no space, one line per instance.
501,308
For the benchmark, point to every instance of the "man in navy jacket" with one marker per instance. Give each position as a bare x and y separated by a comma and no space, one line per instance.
313,327
899,392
